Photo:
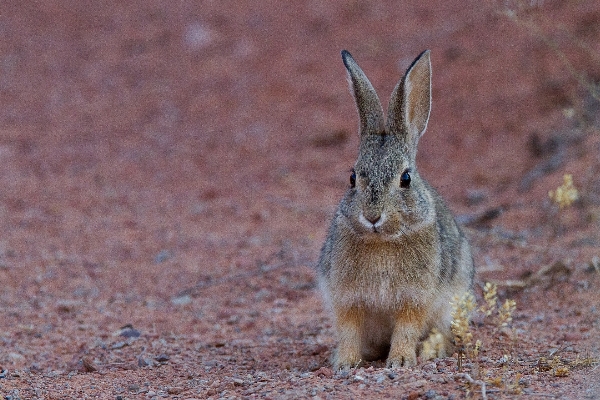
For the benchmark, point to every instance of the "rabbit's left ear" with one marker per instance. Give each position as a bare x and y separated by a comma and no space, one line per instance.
410,103
369,107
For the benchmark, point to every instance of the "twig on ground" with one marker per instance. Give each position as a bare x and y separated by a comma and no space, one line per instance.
481,217
543,168
552,270
475,382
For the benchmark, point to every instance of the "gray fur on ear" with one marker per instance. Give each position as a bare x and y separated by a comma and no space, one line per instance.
369,107
410,103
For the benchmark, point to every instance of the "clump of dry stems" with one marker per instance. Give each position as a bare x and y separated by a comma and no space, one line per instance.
501,315
561,368
463,337
467,347
433,345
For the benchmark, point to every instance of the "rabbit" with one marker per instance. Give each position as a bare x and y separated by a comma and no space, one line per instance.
394,257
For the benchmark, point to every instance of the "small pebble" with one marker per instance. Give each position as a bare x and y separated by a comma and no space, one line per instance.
429,367
572,337
344,374
430,394
414,395
174,390
130,333
324,371
162,256
144,362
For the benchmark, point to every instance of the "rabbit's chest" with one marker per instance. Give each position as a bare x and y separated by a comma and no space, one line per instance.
384,281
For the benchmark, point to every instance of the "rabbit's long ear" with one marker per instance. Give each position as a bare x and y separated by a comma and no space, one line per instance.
367,102
410,103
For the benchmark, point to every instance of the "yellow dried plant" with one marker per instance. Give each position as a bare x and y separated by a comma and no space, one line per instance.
490,296
461,315
566,194
505,312
432,345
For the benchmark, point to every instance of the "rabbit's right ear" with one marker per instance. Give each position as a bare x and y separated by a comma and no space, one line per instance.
410,104
369,107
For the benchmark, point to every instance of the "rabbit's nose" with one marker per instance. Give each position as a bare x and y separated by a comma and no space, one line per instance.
373,218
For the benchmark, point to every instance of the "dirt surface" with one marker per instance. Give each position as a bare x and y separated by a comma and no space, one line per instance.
168,171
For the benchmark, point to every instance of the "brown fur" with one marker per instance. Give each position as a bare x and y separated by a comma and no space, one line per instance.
394,256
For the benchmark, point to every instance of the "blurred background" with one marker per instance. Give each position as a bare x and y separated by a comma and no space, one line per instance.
148,147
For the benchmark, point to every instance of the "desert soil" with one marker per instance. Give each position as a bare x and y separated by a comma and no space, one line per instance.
168,171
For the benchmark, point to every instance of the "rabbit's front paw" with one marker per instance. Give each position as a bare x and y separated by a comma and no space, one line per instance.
346,358
402,359
346,364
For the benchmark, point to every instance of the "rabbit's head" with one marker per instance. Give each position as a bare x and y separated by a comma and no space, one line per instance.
387,197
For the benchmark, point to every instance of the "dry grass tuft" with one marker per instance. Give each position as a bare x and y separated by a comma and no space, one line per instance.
461,317
490,296
433,345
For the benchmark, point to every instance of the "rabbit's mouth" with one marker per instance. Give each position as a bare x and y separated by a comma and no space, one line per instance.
384,228
379,227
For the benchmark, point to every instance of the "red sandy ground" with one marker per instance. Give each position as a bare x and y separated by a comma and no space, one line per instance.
173,166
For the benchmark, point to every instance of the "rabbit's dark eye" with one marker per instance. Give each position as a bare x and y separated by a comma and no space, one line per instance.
405,179
353,179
